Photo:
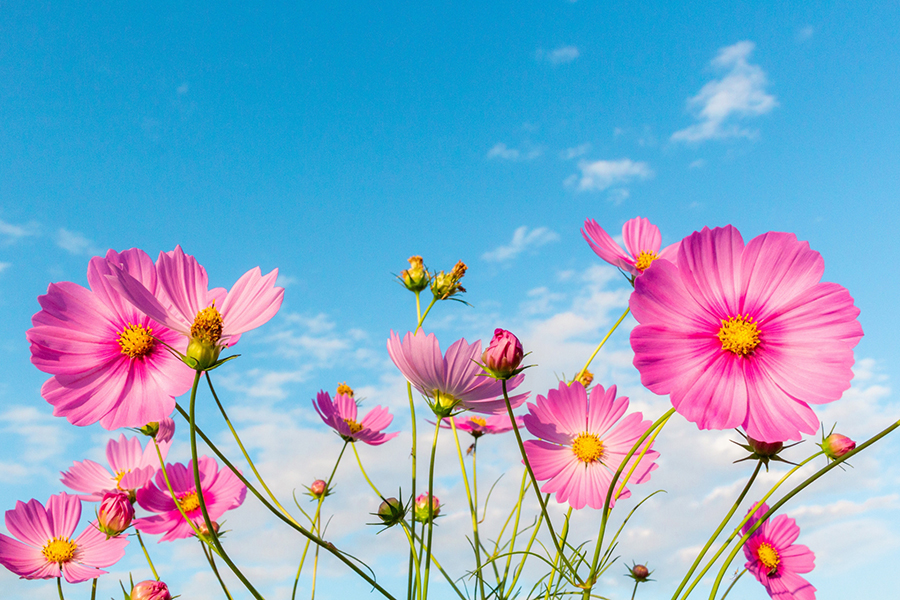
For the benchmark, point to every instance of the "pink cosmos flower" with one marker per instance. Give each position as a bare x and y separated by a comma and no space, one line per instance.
150,590
774,559
132,467
584,445
744,336
452,380
479,426
107,358
211,319
48,549
340,415
642,239
222,491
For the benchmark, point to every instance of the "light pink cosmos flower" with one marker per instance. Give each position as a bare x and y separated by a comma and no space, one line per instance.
642,239
744,336
479,426
222,491
210,318
454,380
132,467
48,550
106,357
584,445
774,559
341,415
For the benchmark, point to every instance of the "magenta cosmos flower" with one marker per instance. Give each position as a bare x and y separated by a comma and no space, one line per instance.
744,336
47,549
774,559
340,415
479,426
642,240
450,381
584,445
211,319
222,491
131,465
107,358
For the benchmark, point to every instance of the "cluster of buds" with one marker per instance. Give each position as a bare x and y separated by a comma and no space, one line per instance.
416,278
425,511
115,513
149,590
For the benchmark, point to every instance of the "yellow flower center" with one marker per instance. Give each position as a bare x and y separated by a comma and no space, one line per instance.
768,556
189,502
478,421
119,476
739,335
136,341
644,259
207,325
59,550
587,447
353,425
344,390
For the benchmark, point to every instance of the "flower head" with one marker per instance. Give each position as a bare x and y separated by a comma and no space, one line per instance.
774,559
425,511
318,489
162,430
115,513
479,426
837,445
391,511
47,549
131,465
642,240
107,359
582,445
640,573
222,491
446,285
744,335
341,415
150,590
503,355
416,278
452,381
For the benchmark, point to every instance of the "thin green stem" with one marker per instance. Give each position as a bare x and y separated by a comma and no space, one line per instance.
473,508
634,591
733,581
146,554
412,551
527,551
215,569
603,342
418,307
59,587
430,500
422,318
445,574
94,589
565,534
412,544
364,474
162,467
515,531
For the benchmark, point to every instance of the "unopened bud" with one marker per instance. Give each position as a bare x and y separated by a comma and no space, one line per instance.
444,285
150,590
504,355
161,431
318,488
426,511
115,513
391,511
837,445
765,449
585,378
415,278
204,530
639,573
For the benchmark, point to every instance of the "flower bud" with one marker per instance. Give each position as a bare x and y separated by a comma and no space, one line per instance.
837,445
150,590
161,431
585,378
115,513
444,285
391,512
427,511
318,488
639,573
415,278
503,355
201,354
764,449
204,530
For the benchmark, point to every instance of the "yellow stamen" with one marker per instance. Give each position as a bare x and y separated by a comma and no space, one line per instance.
207,325
768,556
587,447
136,341
585,378
344,390
739,335
59,550
478,421
189,502
644,259
119,476
353,425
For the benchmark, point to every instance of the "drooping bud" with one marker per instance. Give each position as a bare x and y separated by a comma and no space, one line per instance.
585,378
503,356
416,277
426,511
444,285
150,590
762,451
318,489
639,573
765,449
115,513
344,390
837,445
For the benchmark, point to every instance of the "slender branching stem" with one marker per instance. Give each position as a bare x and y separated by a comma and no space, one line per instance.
212,565
430,500
603,342
146,554
473,509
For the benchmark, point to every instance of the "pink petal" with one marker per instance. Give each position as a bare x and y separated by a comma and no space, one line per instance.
604,409
21,559
78,573
63,512
184,282
777,270
709,263
90,477
607,249
97,551
30,523
251,302
640,235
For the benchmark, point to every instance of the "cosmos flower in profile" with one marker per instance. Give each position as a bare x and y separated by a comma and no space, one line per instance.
744,335
478,426
642,241
775,560
341,415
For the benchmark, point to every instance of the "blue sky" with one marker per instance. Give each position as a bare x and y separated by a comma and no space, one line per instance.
333,141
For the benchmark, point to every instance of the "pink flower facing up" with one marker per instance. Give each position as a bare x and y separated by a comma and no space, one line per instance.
479,426
47,549
107,358
584,446
642,240
744,336
341,416
222,491
774,559
211,319
132,467
453,381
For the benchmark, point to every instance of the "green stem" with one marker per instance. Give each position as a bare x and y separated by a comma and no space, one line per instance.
716,533
146,554
422,318
430,500
412,544
412,551
215,570
515,531
734,581
634,591
565,534
602,342
473,508
94,589
162,467
364,474
59,587
527,551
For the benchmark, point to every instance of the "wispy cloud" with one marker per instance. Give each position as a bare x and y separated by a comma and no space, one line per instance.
502,152
10,233
739,94
575,152
4,266
522,240
559,56
75,243
805,33
602,174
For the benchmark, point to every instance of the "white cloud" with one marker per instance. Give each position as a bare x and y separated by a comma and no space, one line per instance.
805,33
618,195
13,233
602,174
75,243
575,152
522,240
501,151
559,56
697,164
4,266
739,94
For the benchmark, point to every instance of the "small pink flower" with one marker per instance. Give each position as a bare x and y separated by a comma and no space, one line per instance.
744,336
222,491
115,513
107,359
48,550
341,416
150,590
642,239
584,445
450,381
837,445
774,559
479,426
503,355
425,511
131,466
